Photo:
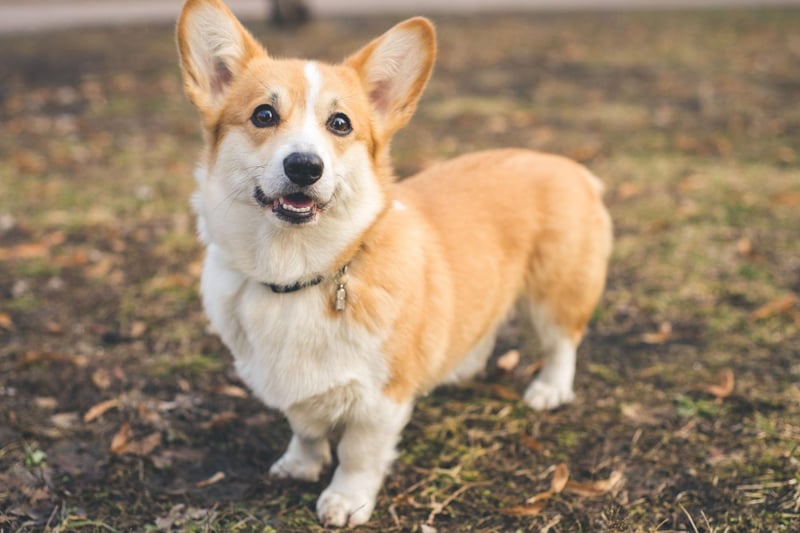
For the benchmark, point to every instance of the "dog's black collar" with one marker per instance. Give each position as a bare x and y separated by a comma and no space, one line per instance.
281,289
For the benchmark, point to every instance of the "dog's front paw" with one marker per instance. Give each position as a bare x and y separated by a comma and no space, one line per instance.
339,510
296,466
542,395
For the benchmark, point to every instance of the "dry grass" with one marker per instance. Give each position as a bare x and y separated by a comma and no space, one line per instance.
690,118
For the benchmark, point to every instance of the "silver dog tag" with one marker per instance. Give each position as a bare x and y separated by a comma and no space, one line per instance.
341,297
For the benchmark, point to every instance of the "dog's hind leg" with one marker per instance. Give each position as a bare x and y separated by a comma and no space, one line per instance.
553,385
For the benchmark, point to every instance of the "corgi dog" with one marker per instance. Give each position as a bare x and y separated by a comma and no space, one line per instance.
344,294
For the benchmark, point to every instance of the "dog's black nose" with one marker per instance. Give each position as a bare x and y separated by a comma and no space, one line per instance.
303,168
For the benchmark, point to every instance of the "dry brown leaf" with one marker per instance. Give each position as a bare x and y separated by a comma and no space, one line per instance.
638,413
145,446
232,391
508,361
34,250
592,489
99,409
531,443
725,386
101,378
525,510
629,190
560,478
216,478
45,402
788,198
542,496
32,357
64,420
6,323
53,328
777,306
659,337
503,392
138,329
120,439
744,247
220,419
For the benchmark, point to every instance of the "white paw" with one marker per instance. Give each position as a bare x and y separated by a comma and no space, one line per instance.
338,510
541,395
297,467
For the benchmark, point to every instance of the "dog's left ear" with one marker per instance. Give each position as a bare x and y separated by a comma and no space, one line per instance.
394,69
214,49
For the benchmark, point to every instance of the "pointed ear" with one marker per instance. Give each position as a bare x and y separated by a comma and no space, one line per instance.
394,68
214,48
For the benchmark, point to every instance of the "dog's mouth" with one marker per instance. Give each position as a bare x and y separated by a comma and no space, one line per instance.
295,208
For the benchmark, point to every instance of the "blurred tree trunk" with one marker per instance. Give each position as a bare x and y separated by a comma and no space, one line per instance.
289,12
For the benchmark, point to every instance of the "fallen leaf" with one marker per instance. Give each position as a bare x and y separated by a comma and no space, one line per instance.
531,443
503,392
32,357
777,306
101,378
629,190
216,478
34,250
138,329
220,419
560,478
591,489
542,496
659,337
53,328
143,447
232,390
99,409
121,438
6,323
787,198
637,413
508,361
64,420
725,386
744,247
525,510
45,402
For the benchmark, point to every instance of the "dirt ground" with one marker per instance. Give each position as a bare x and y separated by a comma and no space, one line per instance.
119,411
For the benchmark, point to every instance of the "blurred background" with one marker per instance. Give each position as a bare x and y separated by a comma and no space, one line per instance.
28,15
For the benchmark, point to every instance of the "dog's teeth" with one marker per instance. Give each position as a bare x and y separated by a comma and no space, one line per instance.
296,209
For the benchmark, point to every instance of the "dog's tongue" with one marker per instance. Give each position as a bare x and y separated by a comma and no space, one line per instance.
297,200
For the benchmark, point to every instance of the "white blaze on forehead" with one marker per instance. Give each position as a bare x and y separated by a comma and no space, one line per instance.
313,84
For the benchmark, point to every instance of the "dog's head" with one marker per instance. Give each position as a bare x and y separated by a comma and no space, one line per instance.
297,151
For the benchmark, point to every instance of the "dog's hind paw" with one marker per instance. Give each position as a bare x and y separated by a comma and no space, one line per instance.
541,395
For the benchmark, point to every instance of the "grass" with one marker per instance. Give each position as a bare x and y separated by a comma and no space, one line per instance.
690,118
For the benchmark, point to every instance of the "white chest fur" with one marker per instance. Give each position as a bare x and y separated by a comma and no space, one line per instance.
288,347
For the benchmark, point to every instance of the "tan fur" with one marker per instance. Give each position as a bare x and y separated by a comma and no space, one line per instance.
480,231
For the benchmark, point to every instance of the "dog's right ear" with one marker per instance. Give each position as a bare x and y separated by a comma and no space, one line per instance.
214,49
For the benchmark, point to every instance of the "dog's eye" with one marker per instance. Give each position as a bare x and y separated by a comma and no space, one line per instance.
339,124
264,116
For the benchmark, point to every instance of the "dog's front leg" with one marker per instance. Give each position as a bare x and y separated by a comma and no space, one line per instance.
308,453
365,453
